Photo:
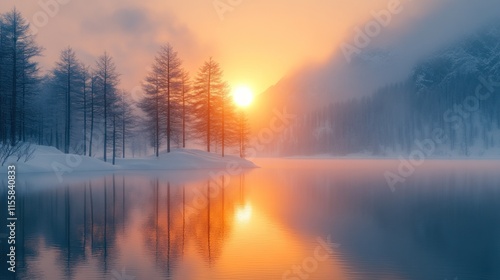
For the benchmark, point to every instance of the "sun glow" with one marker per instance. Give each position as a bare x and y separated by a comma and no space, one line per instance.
244,213
243,96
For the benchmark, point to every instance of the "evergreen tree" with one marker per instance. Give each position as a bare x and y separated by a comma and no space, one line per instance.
107,78
164,91
19,74
67,77
208,86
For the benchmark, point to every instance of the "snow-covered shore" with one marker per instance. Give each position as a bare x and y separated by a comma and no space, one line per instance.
50,159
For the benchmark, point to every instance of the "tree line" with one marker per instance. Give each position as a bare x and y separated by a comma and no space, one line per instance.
396,119
81,109
178,108
451,98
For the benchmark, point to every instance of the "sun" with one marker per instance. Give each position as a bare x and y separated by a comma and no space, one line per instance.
244,213
243,96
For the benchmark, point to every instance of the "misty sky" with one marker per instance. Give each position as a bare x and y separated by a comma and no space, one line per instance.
257,42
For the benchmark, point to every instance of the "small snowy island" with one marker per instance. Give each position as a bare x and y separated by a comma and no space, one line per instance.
50,159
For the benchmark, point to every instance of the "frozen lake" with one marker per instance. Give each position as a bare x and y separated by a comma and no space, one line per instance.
290,219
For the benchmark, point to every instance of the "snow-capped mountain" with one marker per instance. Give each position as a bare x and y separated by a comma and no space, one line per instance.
475,56
387,114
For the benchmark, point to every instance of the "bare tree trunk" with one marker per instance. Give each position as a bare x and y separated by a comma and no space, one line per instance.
57,134
114,138
157,122
241,135
123,131
85,114
169,128
3,129
105,118
13,108
68,110
208,108
223,124
22,136
92,108
183,115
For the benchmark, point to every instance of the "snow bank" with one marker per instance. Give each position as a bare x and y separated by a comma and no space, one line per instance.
180,159
50,159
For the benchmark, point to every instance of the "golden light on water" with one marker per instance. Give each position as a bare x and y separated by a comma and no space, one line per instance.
244,213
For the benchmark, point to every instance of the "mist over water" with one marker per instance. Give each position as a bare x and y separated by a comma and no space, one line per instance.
439,224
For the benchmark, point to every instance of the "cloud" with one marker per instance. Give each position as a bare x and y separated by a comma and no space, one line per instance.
132,20
126,20
419,31
414,36
257,43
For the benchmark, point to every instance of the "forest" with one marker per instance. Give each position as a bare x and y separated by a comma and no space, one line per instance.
81,109
454,95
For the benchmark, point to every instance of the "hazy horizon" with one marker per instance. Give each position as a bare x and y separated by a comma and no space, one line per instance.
246,37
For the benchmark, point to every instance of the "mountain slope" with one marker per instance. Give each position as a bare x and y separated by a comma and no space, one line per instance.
453,94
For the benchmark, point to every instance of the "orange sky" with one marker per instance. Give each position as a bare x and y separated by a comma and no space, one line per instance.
257,42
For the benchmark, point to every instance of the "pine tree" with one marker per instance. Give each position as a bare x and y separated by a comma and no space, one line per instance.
93,108
243,132
163,89
84,102
152,104
19,71
185,98
67,78
126,119
170,69
208,86
3,81
107,78
225,126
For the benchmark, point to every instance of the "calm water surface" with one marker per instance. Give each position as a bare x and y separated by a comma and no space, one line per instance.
290,219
